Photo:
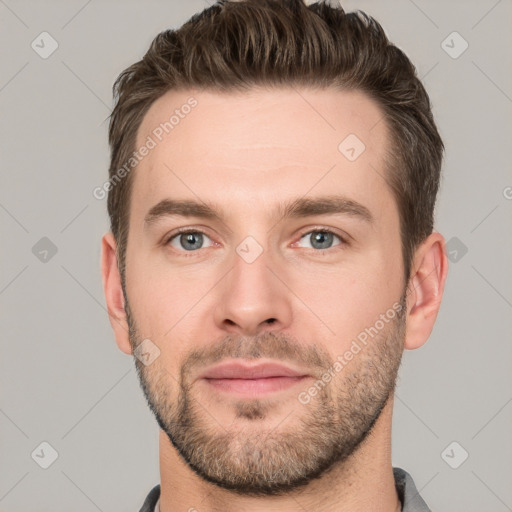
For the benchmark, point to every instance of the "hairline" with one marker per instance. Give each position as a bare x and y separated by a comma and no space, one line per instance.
391,157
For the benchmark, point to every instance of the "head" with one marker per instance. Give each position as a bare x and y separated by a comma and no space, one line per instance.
273,124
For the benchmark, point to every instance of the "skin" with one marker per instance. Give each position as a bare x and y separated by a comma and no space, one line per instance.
247,154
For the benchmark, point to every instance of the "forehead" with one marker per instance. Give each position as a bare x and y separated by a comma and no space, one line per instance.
261,146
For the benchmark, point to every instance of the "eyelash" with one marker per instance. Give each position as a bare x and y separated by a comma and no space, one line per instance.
343,240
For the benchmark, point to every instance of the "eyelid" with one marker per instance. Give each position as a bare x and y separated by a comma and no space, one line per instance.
179,231
344,238
342,245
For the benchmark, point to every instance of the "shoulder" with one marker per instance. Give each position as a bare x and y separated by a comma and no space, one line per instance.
151,499
409,495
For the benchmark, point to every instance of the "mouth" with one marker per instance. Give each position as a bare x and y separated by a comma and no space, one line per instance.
252,379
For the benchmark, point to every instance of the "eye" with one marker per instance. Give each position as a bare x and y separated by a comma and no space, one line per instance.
189,240
321,239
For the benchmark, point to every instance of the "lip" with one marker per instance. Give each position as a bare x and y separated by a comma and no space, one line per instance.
248,371
246,379
253,387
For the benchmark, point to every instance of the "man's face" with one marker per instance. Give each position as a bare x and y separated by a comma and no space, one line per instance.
255,285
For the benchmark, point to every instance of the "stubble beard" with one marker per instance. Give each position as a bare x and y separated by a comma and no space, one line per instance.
255,457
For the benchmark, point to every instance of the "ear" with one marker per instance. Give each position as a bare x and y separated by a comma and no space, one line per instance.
114,293
425,289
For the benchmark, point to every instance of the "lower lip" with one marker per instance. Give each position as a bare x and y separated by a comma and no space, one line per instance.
254,386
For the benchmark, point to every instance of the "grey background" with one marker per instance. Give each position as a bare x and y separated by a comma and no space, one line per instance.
62,378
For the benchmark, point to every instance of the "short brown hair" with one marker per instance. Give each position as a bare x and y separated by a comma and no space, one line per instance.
236,45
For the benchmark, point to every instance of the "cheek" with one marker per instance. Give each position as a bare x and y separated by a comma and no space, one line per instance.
152,298
346,301
168,302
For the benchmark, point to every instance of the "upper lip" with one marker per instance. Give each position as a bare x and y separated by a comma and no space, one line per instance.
238,370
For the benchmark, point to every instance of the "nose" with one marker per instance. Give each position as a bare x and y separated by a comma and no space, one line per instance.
253,298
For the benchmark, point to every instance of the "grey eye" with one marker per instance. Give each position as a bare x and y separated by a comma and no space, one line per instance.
189,241
320,239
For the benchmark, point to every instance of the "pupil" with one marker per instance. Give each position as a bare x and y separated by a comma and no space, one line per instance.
322,238
190,238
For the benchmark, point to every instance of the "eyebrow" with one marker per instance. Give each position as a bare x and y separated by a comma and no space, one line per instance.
301,207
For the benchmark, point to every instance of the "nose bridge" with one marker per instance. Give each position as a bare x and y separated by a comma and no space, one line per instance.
250,267
251,297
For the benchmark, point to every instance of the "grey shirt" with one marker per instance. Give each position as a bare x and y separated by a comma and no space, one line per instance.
407,492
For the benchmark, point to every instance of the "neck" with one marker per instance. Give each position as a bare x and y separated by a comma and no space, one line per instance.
363,482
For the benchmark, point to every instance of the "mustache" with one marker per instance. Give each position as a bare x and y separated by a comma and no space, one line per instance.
266,345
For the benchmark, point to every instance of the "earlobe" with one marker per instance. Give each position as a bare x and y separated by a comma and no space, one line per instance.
114,293
425,291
